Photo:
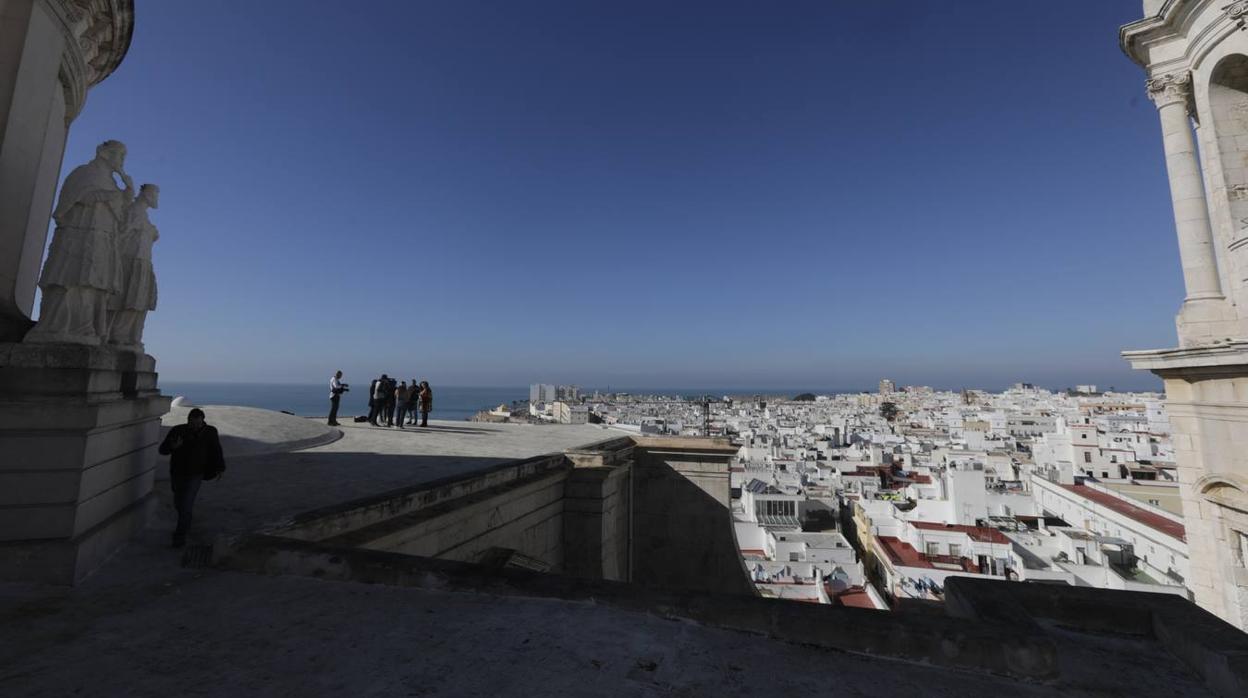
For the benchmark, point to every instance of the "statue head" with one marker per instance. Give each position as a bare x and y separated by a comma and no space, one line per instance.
150,193
112,152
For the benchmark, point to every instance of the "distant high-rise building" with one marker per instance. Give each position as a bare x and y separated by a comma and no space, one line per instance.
541,393
887,387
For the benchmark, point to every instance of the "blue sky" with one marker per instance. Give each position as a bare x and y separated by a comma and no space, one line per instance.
750,194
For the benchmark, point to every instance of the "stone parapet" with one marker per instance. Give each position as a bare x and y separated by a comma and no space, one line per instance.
930,639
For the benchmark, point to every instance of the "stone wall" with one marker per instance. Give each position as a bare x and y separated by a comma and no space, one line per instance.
654,511
517,506
597,512
1211,447
683,537
1195,56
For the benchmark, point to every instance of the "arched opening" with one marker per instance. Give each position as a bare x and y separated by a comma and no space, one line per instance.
1224,490
1228,103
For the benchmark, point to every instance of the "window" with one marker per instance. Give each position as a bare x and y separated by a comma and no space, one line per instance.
795,557
1155,502
955,550
1087,456
933,548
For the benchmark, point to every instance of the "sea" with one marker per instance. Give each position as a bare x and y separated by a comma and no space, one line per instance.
449,402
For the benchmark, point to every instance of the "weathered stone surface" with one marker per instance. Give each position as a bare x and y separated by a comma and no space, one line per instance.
1196,57
79,443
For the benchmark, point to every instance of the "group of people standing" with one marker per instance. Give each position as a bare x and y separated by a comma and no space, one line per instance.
394,403
390,402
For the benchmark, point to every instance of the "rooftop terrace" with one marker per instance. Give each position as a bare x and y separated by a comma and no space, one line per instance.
146,625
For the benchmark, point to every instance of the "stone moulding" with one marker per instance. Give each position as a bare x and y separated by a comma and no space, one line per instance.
97,37
1224,489
1176,19
1227,358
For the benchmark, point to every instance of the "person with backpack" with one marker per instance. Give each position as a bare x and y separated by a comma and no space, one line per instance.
195,455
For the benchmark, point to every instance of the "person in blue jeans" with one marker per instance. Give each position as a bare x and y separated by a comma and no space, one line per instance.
195,454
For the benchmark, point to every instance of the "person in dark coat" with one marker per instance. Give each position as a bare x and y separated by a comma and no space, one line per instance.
391,402
375,398
413,403
195,452
426,402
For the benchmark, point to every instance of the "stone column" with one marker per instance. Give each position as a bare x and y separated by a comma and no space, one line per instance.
1172,95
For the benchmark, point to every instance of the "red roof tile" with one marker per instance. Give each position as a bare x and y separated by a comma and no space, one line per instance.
901,552
855,597
1157,522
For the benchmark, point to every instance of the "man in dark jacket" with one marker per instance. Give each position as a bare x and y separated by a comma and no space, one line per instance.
196,452
375,402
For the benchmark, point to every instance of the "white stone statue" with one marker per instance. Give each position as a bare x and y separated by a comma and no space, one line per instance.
138,294
83,272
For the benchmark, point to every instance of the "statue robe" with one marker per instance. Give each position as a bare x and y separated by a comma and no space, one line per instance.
135,248
84,246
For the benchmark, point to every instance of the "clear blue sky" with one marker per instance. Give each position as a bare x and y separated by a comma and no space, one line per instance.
747,194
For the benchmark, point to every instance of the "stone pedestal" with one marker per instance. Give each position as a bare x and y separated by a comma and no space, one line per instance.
79,427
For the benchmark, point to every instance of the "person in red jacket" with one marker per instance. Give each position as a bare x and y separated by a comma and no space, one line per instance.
195,455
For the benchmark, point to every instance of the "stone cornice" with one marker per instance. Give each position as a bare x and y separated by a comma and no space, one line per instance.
97,37
1215,360
1174,19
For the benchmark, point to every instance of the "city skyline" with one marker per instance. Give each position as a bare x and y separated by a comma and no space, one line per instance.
648,195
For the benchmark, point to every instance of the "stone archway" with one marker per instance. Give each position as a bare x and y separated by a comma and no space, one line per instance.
1228,106
1225,490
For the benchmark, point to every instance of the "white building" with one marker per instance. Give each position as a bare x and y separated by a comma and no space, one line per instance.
568,413
1157,538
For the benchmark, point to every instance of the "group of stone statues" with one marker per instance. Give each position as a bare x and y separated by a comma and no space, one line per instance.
97,283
